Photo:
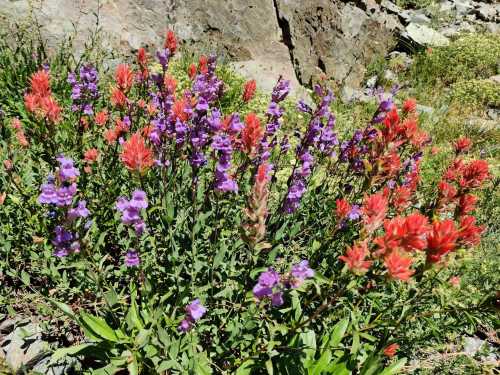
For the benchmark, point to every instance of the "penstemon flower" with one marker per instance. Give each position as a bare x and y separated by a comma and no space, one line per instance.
194,311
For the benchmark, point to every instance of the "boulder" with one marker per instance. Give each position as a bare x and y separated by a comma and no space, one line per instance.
425,36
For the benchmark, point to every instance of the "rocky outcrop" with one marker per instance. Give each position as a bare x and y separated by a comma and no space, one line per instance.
291,37
264,38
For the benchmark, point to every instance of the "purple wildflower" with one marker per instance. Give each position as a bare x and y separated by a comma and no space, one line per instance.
194,311
300,272
66,168
79,211
132,258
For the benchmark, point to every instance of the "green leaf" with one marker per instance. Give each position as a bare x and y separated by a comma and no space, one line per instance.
99,327
72,350
338,332
202,366
133,367
219,257
322,363
64,308
394,368
245,368
25,278
269,367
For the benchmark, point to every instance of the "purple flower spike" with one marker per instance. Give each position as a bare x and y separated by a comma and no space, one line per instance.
267,281
195,310
139,199
300,272
79,211
132,258
67,169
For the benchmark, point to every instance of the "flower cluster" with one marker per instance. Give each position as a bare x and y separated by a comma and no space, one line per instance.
131,210
320,136
58,192
84,89
271,284
18,128
194,311
39,99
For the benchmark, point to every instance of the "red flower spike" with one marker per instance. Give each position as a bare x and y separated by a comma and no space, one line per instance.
50,109
390,351
249,90
374,210
467,204
470,233
135,155
462,145
170,83
441,240
101,118
192,71
178,110
252,133
415,229
342,208
91,155
21,138
110,136
355,258
171,42
398,266
142,57
124,77
401,198
118,98
40,83
447,191
203,64
410,105
474,174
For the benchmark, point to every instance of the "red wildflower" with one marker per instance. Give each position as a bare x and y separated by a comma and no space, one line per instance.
21,138
50,109
441,240
469,233
135,155
474,174
40,83
142,57
124,77
390,350
101,118
178,110
410,127
110,136
462,145
454,281
252,133
91,155
147,130
410,105
192,71
170,83
171,42
398,266
31,102
7,163
419,138
467,204
343,208
121,126
391,239
355,258
455,170
203,64
391,164
249,90
16,124
415,229
374,210
401,198
447,191
118,98
2,197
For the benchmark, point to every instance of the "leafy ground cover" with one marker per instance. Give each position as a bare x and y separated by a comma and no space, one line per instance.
163,216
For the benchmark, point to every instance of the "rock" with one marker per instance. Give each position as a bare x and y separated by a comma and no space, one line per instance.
339,39
371,83
472,345
493,114
492,27
495,79
463,7
425,36
455,29
352,95
486,12
419,18
390,76
424,109
446,6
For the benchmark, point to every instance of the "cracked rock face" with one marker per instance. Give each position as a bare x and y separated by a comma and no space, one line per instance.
290,37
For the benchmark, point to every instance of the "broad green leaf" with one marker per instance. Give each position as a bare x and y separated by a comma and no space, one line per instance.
245,368
394,368
322,363
64,308
269,367
25,278
99,327
72,350
338,332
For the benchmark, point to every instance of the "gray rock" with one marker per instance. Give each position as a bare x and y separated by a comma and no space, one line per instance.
352,95
458,28
426,36
493,114
463,7
424,109
472,345
495,79
419,18
492,27
446,6
372,82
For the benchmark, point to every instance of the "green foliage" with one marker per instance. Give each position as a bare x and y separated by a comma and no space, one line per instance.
476,93
473,56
